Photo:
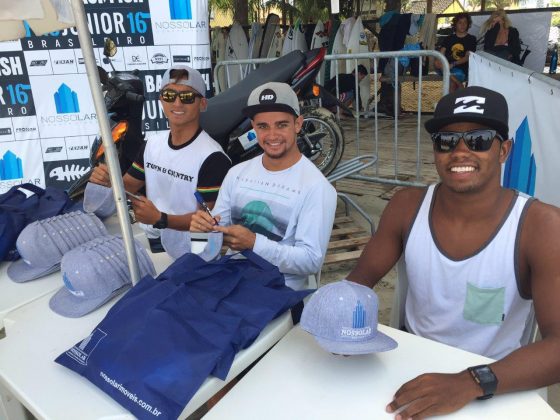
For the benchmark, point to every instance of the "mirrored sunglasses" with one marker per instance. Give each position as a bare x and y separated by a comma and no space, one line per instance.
476,140
186,97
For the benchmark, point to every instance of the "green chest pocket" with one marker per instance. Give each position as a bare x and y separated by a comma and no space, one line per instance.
484,305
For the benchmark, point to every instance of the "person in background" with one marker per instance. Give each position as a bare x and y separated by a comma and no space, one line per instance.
501,38
277,204
346,87
456,49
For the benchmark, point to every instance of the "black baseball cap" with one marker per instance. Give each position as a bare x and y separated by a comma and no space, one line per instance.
472,104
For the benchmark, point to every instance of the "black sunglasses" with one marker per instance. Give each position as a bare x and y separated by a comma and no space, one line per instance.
186,97
476,140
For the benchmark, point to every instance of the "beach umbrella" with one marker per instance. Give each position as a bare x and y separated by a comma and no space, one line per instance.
17,17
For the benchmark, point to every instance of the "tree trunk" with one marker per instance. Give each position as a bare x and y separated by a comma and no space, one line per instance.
241,13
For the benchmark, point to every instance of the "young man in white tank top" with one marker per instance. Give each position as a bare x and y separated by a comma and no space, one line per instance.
476,254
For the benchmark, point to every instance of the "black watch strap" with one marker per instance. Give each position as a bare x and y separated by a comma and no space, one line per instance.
485,378
162,222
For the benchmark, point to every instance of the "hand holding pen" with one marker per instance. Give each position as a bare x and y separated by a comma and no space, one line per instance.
202,220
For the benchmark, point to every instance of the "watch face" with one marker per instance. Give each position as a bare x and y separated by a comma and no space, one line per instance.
485,374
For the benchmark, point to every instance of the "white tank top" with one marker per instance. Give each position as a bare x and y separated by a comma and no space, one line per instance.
473,303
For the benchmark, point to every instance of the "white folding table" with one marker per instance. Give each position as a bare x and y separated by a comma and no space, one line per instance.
297,379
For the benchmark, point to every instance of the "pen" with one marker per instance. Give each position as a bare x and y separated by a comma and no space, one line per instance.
203,204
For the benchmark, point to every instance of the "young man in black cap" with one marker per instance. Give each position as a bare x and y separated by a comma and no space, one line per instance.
477,257
277,204
175,163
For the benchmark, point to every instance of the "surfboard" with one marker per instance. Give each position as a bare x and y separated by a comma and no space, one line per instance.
268,33
357,43
338,48
275,49
219,49
254,44
237,48
288,41
320,39
299,42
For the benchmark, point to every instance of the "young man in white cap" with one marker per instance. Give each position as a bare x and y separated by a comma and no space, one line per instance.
277,204
477,257
176,163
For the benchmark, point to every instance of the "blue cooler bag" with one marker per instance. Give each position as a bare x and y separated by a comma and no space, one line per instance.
158,343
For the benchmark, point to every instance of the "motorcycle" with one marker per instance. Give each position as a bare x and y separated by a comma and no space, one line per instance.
321,138
124,101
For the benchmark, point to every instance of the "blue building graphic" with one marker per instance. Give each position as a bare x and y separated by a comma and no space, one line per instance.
521,170
359,316
66,100
10,167
180,9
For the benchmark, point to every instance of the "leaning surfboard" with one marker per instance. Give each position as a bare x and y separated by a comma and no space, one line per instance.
237,48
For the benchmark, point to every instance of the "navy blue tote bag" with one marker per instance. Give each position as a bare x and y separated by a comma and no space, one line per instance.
17,211
158,343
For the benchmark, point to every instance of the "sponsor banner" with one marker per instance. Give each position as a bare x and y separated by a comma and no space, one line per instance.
180,18
64,105
15,91
20,162
63,173
533,125
45,100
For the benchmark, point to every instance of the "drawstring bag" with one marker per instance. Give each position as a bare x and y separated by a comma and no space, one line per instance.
158,344
17,210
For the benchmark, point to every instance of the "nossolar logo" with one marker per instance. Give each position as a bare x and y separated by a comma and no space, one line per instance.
180,9
66,100
267,96
11,166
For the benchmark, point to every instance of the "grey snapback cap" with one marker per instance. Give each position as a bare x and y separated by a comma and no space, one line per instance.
42,244
194,79
99,200
94,273
272,97
342,316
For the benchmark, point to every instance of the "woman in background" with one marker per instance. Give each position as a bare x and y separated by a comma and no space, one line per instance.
501,38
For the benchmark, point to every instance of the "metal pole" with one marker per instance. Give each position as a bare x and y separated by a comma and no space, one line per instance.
110,151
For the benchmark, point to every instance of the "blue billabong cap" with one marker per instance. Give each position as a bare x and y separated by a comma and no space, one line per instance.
42,244
99,199
342,316
94,273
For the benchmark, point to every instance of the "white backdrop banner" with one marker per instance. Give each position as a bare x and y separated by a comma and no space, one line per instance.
533,28
47,118
533,124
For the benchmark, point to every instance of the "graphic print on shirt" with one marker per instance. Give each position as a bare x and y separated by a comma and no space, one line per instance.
266,208
457,51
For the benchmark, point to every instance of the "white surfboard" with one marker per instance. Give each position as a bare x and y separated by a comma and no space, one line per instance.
320,36
237,48
320,40
357,43
338,48
268,34
219,49
288,41
299,42
275,49
255,40
348,26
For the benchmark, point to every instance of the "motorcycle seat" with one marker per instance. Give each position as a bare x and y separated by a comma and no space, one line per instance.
224,111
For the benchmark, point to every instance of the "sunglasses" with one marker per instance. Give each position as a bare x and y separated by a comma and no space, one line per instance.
186,97
476,140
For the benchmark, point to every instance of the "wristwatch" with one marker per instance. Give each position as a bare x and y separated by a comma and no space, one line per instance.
162,222
485,378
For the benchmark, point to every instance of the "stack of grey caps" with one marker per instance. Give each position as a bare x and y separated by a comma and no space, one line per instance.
42,244
94,273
